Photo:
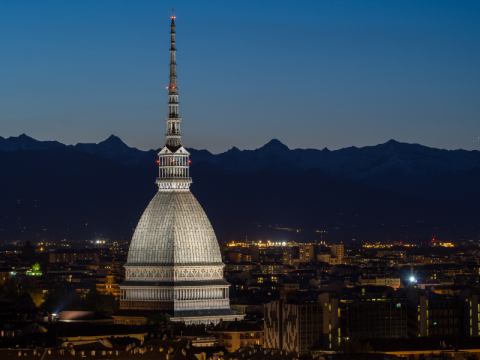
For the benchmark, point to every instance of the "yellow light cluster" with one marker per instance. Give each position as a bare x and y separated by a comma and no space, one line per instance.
446,244
377,246
260,244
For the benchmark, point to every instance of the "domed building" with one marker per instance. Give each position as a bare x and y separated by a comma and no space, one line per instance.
174,263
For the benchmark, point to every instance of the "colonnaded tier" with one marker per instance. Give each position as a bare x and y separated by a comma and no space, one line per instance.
174,263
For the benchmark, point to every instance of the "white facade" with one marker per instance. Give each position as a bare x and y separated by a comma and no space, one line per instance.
174,263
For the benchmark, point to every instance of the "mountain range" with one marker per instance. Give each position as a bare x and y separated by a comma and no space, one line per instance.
391,190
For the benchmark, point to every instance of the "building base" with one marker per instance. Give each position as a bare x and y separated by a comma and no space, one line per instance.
189,317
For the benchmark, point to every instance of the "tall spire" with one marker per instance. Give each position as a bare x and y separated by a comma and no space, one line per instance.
174,139
173,63
173,158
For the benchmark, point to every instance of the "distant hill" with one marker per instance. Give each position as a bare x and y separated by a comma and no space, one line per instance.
392,190
116,149
24,142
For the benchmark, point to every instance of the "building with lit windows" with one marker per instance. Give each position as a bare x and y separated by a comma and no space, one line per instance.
293,326
234,335
433,315
290,255
338,252
111,286
302,326
308,253
374,318
381,280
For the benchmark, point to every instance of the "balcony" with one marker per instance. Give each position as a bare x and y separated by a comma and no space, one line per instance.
174,179
173,164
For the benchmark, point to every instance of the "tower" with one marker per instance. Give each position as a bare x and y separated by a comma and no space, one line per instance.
174,263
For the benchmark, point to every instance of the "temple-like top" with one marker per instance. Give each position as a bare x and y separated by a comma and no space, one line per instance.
173,158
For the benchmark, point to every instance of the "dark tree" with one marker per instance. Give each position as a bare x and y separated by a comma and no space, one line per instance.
159,318
353,346
60,298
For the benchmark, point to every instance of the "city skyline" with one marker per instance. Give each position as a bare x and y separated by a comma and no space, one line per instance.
281,253
366,72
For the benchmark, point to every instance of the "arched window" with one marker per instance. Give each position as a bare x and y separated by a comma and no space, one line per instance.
190,274
141,274
198,274
167,274
149,274
133,275
181,275
207,274
215,274
157,275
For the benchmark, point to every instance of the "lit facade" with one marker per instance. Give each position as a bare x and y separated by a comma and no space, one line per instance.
174,263
293,326
234,335
337,252
110,286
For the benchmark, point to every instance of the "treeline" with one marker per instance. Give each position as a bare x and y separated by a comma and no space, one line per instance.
28,294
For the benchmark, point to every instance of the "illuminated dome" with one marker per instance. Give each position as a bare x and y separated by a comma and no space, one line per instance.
174,230
174,263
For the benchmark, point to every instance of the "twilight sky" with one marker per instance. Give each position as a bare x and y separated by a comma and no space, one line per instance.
312,74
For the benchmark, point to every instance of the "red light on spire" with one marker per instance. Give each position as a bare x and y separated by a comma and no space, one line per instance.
158,161
166,87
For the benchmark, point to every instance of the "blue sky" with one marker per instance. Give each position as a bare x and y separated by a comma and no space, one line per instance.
312,74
